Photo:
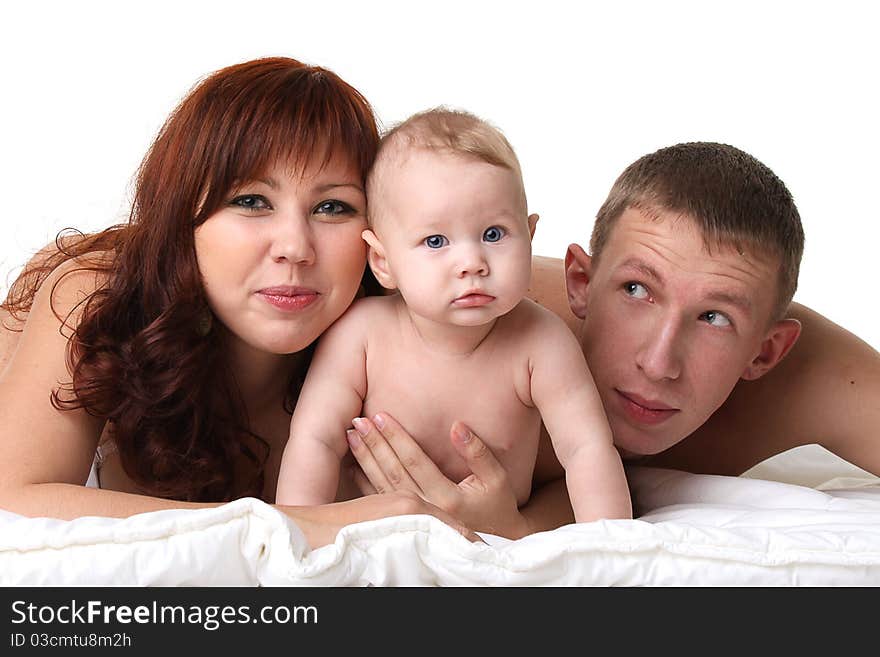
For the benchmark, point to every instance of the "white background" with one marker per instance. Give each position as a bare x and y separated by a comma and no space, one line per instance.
580,90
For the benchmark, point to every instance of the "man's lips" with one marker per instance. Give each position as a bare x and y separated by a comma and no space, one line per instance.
473,300
289,297
644,411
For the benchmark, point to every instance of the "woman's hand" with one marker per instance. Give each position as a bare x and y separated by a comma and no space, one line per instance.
322,523
390,460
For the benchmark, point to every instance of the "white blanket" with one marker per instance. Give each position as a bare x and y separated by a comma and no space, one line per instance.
693,530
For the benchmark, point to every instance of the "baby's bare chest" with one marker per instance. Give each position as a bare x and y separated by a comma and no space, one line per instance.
426,393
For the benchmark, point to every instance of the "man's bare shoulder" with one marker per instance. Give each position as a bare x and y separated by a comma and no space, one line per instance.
548,289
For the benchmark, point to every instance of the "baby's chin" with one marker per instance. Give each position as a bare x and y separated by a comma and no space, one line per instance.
472,317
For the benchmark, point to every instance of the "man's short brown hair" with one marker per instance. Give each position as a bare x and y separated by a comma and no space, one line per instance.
734,199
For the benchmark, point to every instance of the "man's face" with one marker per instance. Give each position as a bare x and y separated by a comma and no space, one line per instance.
668,328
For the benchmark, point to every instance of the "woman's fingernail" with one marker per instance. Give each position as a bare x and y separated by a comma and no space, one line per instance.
462,434
379,421
361,425
353,439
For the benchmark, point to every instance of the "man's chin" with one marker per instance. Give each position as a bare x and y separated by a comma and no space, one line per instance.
634,446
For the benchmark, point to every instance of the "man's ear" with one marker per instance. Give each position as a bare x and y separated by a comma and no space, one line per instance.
578,271
533,222
777,343
378,261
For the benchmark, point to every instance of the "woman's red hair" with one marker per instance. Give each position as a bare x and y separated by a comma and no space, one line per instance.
138,357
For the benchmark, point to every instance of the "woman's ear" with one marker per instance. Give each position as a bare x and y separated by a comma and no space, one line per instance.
578,271
776,344
378,261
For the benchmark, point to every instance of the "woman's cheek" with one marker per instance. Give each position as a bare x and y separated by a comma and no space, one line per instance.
345,257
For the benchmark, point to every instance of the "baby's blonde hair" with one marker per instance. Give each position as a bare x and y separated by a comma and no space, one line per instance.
442,130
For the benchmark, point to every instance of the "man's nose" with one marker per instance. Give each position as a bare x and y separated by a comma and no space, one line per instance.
660,356
292,240
472,261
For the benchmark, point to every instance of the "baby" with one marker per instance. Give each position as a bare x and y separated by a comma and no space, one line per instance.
449,230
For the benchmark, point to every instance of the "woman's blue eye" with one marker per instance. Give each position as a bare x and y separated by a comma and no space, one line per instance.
636,290
333,207
493,234
251,202
436,241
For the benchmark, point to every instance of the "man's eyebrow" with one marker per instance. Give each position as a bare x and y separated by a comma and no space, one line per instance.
739,301
643,267
730,298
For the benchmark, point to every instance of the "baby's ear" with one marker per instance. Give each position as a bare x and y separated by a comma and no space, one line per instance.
378,261
533,222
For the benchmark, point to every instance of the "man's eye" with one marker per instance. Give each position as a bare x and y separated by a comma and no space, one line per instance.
436,241
493,234
636,290
715,318
251,202
333,207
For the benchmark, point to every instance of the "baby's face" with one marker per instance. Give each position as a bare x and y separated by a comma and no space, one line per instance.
456,237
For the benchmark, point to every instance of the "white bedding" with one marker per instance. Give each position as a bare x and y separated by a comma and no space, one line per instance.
818,523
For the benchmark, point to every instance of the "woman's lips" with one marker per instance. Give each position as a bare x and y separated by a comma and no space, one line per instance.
644,411
288,298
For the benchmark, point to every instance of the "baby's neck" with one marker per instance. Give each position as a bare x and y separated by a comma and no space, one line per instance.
449,339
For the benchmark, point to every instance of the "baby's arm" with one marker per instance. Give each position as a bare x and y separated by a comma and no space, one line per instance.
562,389
331,396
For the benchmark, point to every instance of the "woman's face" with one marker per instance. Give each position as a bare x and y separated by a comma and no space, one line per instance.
283,258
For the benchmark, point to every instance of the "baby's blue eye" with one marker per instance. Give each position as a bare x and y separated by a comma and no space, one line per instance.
493,234
436,241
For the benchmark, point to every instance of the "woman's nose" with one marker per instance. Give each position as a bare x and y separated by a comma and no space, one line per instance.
292,241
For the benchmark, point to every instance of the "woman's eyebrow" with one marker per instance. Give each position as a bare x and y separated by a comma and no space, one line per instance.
273,184
328,186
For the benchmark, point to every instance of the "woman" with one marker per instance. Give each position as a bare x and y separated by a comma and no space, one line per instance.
165,355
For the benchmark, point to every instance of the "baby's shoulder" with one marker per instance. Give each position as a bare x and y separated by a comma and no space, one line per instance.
368,313
531,321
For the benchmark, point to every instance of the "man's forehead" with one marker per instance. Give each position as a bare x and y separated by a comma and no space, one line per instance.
673,234
667,247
